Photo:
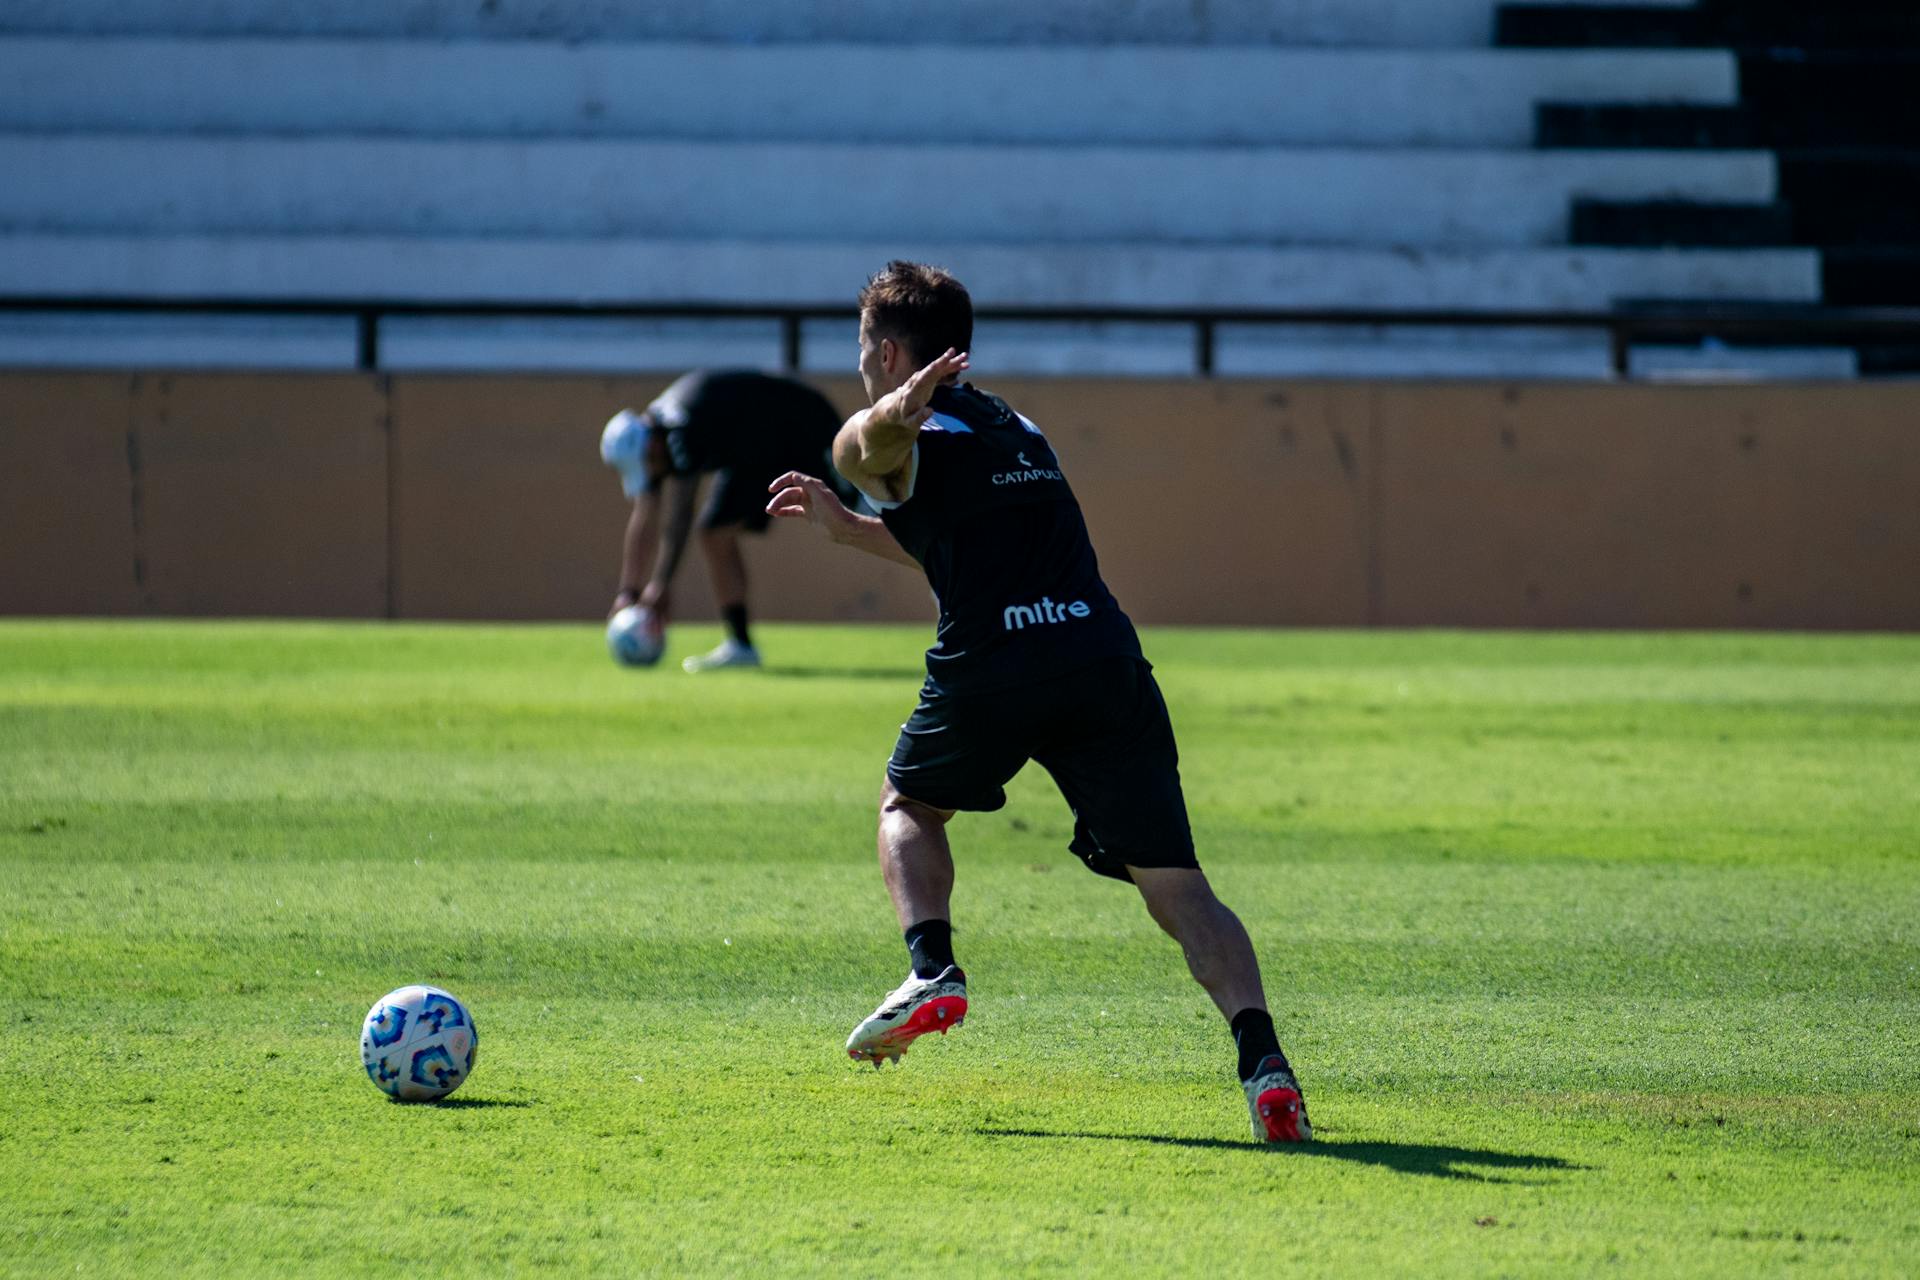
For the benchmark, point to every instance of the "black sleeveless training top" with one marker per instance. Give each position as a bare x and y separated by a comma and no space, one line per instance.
993,522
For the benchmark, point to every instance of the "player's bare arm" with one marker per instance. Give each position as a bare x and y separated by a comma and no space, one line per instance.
637,551
874,449
677,493
797,495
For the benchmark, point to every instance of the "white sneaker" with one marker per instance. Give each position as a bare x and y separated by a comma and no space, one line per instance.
912,1009
728,653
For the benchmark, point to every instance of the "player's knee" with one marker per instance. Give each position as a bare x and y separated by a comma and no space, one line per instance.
1175,892
1183,904
895,807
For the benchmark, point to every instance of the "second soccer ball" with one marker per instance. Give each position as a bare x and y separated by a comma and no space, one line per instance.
635,637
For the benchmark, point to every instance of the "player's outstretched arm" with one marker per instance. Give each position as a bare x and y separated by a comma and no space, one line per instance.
637,551
797,495
676,527
875,446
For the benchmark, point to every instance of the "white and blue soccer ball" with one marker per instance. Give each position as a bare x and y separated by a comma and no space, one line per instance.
634,639
418,1044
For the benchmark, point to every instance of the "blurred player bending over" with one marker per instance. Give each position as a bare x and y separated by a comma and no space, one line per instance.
1032,660
744,427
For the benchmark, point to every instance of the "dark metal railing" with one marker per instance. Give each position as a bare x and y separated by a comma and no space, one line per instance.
1625,324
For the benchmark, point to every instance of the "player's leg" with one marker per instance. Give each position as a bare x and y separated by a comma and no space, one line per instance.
917,865
915,859
1119,768
948,758
726,567
1220,957
730,510
1219,953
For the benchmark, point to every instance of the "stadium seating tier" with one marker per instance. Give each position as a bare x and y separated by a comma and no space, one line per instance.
1156,155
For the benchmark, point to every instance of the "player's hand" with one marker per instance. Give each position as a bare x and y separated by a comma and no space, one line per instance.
907,403
627,599
797,494
652,617
653,598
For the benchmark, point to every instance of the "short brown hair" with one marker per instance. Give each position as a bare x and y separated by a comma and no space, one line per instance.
922,308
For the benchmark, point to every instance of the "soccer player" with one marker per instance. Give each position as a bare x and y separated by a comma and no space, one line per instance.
1032,660
745,428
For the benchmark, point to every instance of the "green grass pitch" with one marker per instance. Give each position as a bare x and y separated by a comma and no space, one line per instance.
1597,954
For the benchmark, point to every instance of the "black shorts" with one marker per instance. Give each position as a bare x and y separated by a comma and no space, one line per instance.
738,496
1101,731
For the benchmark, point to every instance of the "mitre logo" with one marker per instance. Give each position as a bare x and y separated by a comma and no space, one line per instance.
1042,612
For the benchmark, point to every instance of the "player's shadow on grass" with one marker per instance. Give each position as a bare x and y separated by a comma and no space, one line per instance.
846,673
1402,1157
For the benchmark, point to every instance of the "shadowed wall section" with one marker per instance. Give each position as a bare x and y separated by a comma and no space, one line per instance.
1233,502
66,495
261,495
1596,506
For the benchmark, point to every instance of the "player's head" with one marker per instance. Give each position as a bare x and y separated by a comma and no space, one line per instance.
631,446
909,314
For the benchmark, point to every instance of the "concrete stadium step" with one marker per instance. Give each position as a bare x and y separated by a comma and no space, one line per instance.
139,340
1015,195
1837,98
750,273
1739,24
1719,362
826,92
1655,222
1864,198
1618,125
1875,277
827,345
211,341
583,344
1123,348
1387,23
1401,351
1767,117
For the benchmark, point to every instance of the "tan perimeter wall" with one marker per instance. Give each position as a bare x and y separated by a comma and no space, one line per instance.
1316,503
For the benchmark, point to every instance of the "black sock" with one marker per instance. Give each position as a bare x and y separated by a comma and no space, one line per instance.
736,619
1253,1032
931,944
